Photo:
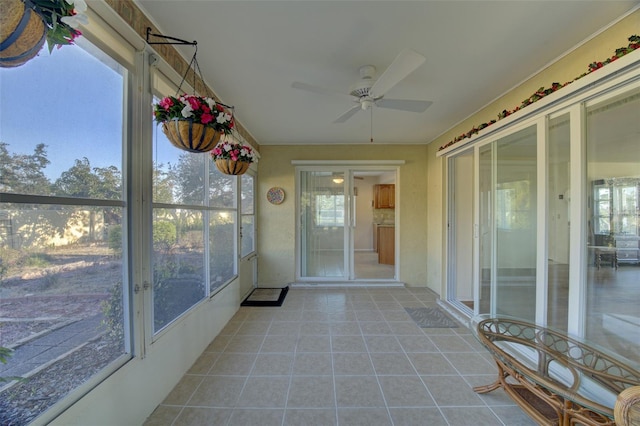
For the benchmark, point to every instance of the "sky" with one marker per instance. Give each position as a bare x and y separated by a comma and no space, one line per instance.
70,101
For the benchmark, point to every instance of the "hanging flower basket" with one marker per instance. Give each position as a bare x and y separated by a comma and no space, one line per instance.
232,158
190,136
230,167
193,123
26,24
22,33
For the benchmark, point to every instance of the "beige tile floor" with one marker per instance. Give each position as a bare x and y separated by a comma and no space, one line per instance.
347,356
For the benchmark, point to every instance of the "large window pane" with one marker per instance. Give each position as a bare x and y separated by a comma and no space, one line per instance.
613,267
322,217
558,191
508,225
195,212
486,234
248,217
63,278
78,129
178,263
178,176
222,248
461,235
222,189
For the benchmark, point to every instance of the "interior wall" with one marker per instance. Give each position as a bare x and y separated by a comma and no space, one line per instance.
565,69
276,223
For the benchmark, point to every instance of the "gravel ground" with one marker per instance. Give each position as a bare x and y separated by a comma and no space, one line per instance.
24,317
25,400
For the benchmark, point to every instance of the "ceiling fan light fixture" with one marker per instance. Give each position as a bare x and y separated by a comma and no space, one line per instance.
366,104
338,180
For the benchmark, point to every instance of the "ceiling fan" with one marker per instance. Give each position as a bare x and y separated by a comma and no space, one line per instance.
369,91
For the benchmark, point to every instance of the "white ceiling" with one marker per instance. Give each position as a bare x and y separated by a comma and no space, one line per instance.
250,52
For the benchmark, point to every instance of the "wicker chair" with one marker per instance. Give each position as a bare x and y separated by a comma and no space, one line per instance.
557,379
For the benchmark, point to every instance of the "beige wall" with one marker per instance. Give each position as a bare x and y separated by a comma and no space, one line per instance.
566,69
276,223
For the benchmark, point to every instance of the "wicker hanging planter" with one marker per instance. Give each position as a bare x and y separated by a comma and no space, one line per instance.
190,136
232,158
230,167
22,33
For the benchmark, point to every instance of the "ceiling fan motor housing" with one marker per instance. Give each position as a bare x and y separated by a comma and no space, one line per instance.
362,87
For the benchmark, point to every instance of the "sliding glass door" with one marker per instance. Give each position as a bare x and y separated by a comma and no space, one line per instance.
347,226
556,220
324,225
612,316
460,289
508,225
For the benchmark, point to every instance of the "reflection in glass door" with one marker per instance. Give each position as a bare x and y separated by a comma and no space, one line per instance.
460,232
248,257
347,226
558,204
508,224
323,216
612,317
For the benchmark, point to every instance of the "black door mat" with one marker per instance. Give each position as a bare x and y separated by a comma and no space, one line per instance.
432,317
266,297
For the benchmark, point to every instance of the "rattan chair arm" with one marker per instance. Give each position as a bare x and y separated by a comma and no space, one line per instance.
627,408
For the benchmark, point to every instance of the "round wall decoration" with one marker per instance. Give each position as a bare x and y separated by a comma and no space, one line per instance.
275,195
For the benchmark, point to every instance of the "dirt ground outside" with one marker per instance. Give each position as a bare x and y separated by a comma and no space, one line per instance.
62,286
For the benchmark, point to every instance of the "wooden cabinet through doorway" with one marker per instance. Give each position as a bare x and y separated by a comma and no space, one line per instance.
384,196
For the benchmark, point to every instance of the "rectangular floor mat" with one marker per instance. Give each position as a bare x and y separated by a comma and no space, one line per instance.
266,297
432,317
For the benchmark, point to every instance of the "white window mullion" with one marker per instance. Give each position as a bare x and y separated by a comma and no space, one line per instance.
577,219
140,167
542,135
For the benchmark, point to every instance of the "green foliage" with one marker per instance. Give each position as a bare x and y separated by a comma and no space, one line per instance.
201,110
81,180
5,354
113,311
115,239
164,234
38,260
52,12
22,173
8,258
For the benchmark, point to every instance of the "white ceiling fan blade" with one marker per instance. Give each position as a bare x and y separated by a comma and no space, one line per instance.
404,104
404,64
320,90
348,114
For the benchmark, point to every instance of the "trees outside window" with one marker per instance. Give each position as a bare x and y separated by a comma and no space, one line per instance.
62,206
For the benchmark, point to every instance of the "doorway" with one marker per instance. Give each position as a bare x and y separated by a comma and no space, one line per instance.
347,224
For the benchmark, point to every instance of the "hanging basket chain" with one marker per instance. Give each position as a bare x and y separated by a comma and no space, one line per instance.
189,133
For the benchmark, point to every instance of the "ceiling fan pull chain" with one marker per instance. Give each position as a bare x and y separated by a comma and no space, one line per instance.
371,125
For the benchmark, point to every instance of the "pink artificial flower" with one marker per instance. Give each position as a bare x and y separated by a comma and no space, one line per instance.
195,104
166,103
206,109
206,118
